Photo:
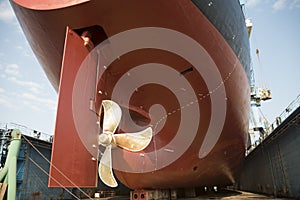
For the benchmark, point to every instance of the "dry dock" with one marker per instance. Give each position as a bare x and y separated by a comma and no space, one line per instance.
224,195
273,167
232,195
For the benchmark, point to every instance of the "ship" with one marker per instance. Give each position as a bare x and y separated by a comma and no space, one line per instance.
157,92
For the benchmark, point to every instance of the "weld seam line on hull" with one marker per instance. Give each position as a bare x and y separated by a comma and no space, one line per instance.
203,96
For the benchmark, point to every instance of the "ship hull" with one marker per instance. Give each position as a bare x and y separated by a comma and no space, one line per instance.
200,128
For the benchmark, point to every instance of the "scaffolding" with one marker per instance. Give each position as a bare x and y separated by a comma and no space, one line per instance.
8,174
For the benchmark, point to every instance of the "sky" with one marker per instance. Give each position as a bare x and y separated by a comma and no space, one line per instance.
276,31
27,97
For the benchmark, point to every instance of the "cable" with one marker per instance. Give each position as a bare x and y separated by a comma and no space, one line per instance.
51,177
56,168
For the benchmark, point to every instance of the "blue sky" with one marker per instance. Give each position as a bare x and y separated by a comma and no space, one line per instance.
276,31
27,98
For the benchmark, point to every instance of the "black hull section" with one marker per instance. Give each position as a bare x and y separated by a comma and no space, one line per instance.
227,16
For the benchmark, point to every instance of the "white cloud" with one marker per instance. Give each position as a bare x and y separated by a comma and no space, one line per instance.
2,100
32,106
39,102
3,76
32,86
19,47
35,90
295,4
7,14
280,4
24,51
12,69
283,4
5,100
27,100
275,4
252,3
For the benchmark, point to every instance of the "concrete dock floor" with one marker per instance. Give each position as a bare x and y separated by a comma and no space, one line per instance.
224,195
232,195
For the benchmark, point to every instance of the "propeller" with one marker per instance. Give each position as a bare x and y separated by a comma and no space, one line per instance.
130,141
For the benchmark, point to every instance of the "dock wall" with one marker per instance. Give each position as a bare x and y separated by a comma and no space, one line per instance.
273,167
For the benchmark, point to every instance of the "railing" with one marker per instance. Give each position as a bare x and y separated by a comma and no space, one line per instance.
271,127
285,114
27,131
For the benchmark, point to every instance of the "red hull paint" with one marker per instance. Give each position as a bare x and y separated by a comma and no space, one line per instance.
221,165
69,156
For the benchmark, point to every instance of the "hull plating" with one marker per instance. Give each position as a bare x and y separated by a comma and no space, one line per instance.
201,122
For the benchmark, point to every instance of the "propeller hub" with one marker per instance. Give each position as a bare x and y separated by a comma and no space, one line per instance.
133,142
105,139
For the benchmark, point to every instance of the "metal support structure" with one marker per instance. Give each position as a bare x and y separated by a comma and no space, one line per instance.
9,172
158,194
258,127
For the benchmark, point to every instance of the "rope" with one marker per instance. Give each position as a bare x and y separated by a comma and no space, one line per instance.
263,80
51,177
57,168
266,122
38,179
